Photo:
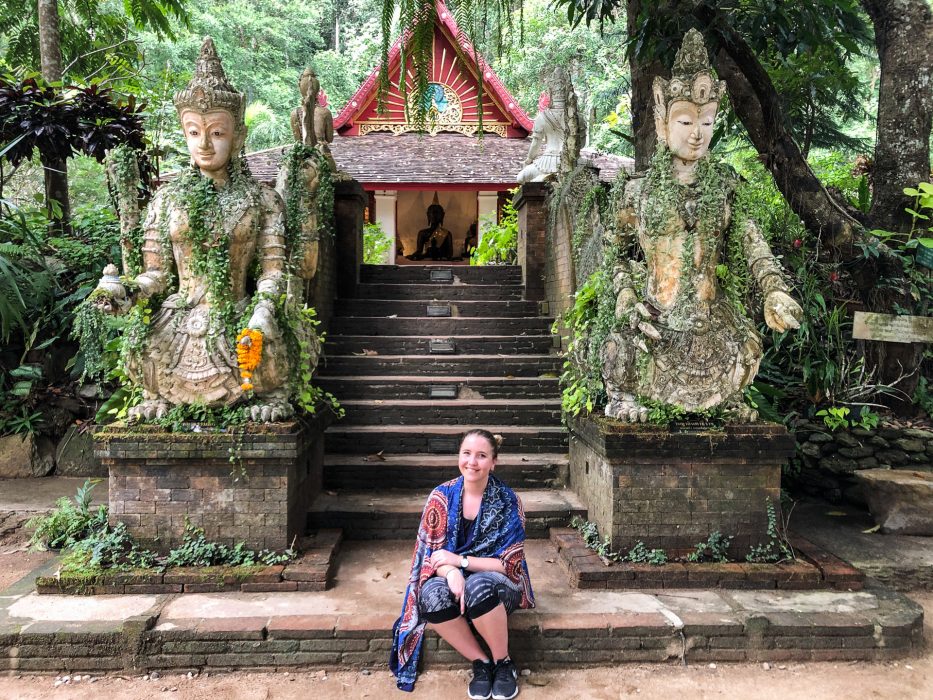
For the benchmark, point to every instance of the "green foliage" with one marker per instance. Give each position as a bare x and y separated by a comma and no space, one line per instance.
26,281
110,51
376,244
923,396
264,48
589,322
264,128
640,554
776,548
807,49
837,417
498,243
590,55
93,545
71,520
197,550
590,534
715,548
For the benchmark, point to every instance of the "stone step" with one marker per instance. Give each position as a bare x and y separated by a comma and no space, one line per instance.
446,365
395,514
349,627
369,472
405,308
419,325
442,345
422,387
436,439
426,274
439,292
451,411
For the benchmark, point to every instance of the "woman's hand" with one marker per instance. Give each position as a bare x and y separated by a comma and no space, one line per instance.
456,583
442,557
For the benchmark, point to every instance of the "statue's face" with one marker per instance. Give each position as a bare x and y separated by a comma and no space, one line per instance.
690,128
211,138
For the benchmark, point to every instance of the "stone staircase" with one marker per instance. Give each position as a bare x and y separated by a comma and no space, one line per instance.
418,356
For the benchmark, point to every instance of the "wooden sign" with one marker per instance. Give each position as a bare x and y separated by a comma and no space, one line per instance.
893,329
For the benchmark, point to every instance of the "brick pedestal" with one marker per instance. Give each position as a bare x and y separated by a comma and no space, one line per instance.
253,486
531,205
349,202
671,489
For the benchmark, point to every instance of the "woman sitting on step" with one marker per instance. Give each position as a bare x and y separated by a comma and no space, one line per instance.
468,570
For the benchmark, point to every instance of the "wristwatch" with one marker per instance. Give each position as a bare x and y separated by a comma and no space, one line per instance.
464,563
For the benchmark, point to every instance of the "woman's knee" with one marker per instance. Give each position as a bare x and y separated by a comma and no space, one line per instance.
481,594
436,603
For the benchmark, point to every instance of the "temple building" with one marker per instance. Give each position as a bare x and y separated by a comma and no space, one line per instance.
403,170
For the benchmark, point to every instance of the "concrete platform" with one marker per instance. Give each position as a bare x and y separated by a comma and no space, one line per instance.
349,626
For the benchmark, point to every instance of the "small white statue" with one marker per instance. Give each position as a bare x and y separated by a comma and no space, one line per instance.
547,136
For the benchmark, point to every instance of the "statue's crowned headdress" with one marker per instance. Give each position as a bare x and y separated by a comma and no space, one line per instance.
209,88
692,78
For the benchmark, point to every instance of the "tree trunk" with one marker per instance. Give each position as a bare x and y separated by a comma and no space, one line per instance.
902,151
642,100
904,39
758,106
55,172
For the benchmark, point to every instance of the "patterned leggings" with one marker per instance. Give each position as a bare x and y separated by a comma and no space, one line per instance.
484,591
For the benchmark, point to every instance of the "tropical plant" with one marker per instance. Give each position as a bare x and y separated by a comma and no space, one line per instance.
263,127
498,243
376,244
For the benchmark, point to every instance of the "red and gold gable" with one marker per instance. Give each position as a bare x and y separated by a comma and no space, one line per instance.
453,96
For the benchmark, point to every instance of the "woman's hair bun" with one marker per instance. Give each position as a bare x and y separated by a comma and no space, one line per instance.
498,439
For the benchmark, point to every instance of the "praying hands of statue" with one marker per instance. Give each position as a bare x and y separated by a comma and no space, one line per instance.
781,312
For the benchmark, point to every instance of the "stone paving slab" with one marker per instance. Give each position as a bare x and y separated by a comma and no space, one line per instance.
350,625
903,562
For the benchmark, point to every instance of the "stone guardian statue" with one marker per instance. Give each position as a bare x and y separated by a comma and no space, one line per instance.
681,333
210,235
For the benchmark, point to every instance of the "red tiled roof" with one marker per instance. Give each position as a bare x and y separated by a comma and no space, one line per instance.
494,86
386,159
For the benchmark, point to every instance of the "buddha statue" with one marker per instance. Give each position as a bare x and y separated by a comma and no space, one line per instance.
681,333
214,253
435,241
548,134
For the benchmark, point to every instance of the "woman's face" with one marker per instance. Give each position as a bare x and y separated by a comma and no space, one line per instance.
476,460
690,129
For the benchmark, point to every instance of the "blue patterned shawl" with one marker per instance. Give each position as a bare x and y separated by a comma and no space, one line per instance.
498,531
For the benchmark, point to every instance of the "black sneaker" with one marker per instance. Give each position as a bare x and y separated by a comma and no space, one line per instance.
504,685
480,687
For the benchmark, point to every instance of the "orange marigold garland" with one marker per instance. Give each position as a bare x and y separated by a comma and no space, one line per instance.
248,355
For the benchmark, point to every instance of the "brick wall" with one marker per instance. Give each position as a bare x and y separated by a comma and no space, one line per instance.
350,200
324,286
253,486
671,490
531,204
560,275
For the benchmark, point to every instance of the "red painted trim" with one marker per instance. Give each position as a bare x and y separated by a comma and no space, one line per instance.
363,97
440,186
